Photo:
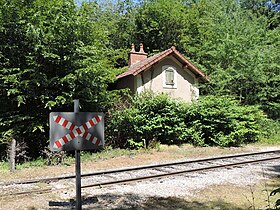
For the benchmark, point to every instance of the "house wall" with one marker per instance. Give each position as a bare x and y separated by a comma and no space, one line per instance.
153,79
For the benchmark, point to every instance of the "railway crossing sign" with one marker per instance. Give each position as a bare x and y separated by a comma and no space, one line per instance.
76,130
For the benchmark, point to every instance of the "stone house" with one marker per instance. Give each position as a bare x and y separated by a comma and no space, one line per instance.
168,71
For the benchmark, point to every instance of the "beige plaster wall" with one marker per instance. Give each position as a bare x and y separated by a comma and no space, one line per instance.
153,79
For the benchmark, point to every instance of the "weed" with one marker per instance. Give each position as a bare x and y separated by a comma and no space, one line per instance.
272,132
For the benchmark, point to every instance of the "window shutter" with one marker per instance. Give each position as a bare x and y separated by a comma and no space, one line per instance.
169,76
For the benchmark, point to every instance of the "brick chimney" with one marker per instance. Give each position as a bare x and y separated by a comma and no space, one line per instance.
134,57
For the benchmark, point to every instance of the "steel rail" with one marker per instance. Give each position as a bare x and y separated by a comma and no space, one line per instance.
33,181
177,163
122,181
177,173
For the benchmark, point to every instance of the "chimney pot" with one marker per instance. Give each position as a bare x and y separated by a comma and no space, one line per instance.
135,57
132,48
141,48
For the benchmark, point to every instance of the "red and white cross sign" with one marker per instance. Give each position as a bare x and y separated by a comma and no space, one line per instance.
76,131
64,130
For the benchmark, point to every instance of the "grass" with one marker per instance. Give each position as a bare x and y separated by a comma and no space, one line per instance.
272,140
69,159
272,130
110,153
4,166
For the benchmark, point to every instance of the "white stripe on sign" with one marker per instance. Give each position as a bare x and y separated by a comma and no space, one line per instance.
88,125
68,125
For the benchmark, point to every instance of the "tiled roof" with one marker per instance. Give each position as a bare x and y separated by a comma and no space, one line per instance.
147,63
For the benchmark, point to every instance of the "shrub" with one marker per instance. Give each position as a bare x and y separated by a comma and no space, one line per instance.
150,118
271,129
221,120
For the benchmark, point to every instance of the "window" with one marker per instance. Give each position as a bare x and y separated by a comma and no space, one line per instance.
169,74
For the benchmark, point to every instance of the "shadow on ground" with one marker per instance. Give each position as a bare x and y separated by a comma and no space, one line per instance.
134,202
274,173
275,169
181,204
72,203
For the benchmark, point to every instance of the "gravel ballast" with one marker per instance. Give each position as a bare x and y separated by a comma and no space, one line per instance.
182,186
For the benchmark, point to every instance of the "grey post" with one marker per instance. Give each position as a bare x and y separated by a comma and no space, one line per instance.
78,166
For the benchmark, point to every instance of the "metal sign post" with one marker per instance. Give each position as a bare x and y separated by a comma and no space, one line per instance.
78,166
77,131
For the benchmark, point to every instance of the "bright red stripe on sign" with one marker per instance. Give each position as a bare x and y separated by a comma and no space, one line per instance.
85,135
91,122
91,139
72,135
85,126
58,144
79,131
72,127
65,123
97,119
97,142
57,119
65,139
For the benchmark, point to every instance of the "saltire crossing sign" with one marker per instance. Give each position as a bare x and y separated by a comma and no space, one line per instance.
76,131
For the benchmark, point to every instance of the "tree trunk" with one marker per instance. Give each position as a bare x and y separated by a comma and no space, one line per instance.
12,155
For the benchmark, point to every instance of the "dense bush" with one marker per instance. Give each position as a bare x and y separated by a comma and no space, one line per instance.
212,120
271,131
148,119
223,121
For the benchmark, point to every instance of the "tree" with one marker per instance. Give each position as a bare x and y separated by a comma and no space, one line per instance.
159,24
270,9
237,50
51,53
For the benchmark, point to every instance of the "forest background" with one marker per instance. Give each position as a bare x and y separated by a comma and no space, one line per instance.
52,52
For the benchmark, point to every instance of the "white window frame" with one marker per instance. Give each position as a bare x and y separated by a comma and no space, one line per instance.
168,68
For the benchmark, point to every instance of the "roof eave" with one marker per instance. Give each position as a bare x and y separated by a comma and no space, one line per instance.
169,51
146,66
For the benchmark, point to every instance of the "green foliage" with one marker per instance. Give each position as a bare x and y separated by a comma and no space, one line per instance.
271,129
213,120
237,50
50,54
148,118
277,203
159,23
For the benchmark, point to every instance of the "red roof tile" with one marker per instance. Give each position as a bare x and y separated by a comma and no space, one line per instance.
147,63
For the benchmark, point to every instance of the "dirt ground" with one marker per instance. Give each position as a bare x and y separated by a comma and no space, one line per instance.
212,197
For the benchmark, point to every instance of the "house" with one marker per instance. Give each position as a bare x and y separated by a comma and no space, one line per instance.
168,71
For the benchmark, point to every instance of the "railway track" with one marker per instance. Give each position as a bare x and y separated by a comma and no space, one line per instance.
133,174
